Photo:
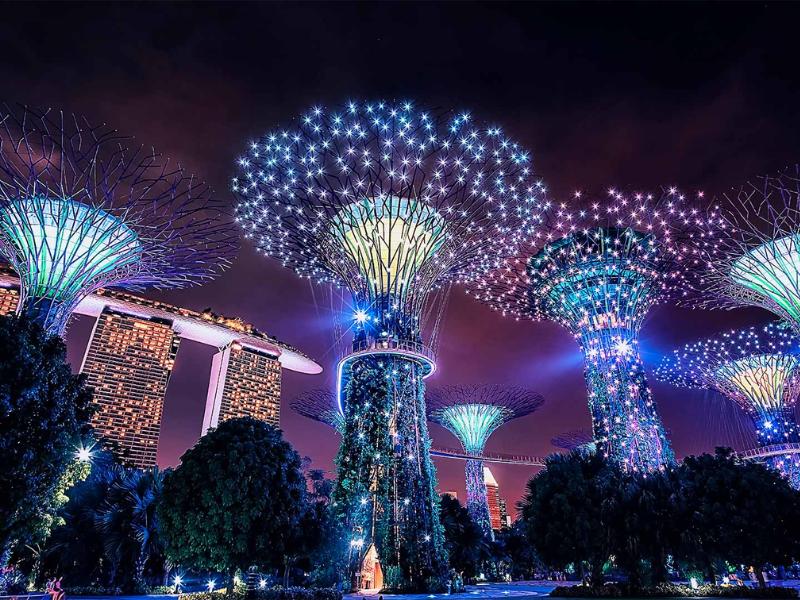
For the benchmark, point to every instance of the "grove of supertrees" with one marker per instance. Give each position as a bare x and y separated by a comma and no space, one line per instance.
83,207
472,413
597,269
319,405
392,203
756,258
759,369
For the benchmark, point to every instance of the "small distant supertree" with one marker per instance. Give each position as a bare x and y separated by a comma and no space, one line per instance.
597,269
82,207
319,405
756,259
472,413
392,203
759,369
576,439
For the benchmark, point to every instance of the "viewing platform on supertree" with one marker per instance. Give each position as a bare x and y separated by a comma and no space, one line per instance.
759,369
472,413
319,405
83,208
756,258
580,440
597,268
392,203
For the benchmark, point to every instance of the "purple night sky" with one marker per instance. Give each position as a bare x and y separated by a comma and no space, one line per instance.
702,96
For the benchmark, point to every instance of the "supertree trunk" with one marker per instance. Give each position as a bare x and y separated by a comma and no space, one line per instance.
780,427
50,314
788,465
625,422
385,493
777,426
477,501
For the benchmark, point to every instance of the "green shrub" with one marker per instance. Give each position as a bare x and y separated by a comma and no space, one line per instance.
92,590
161,589
275,593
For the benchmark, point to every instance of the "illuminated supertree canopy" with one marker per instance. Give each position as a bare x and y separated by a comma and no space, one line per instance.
759,369
576,439
472,413
597,268
391,202
756,260
82,207
388,201
319,405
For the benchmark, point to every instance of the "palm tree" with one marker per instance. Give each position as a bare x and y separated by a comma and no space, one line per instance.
74,549
127,520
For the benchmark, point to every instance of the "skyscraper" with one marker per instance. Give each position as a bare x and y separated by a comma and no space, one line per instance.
128,364
493,496
244,382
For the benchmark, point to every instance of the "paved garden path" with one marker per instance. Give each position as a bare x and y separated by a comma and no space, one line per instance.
486,591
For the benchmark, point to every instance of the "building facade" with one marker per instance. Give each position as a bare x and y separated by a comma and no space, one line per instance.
245,382
493,496
9,299
128,364
505,518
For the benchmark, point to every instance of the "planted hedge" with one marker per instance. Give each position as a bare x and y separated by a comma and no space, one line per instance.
275,593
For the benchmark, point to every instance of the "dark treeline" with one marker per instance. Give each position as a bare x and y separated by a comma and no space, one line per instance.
707,514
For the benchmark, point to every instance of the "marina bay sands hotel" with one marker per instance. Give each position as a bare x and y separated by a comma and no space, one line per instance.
131,352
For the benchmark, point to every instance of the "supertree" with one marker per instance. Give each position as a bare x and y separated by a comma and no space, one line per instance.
580,440
390,202
319,405
759,369
597,269
756,259
472,413
82,207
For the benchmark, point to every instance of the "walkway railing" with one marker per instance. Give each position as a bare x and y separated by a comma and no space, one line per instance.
492,457
390,345
773,450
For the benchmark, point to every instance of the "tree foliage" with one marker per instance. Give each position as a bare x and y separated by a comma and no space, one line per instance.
566,510
127,521
44,413
743,513
234,501
707,510
321,539
465,542
514,555
109,535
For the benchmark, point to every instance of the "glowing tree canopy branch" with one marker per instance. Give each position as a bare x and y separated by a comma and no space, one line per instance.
82,207
577,439
391,202
756,261
597,269
319,405
759,369
472,414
